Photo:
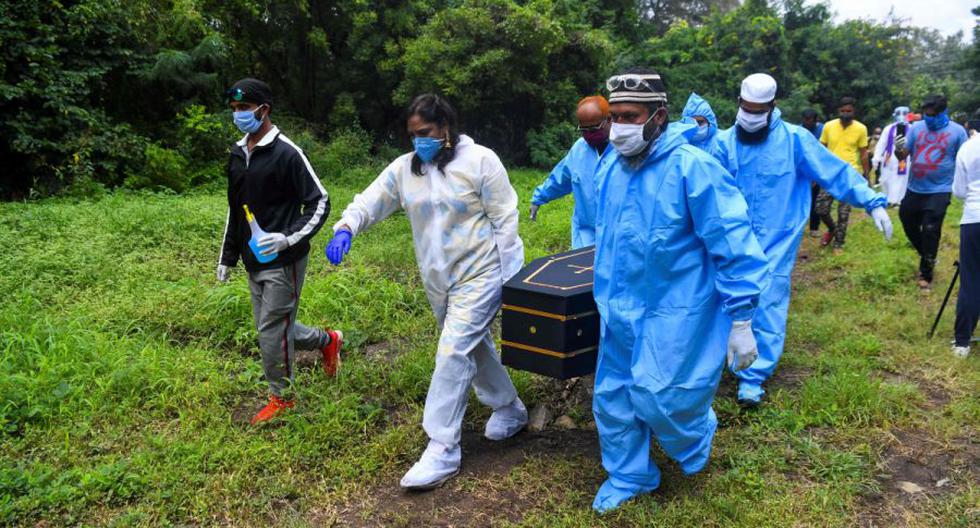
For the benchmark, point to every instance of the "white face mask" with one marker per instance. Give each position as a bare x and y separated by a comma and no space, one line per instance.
628,138
751,122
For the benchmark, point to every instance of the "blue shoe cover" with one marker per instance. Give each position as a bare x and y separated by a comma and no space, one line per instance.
611,496
750,394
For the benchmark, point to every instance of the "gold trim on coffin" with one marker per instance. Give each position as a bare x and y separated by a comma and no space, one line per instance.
549,315
536,350
563,288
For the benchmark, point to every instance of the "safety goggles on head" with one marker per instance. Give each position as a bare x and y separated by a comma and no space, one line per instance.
631,81
593,127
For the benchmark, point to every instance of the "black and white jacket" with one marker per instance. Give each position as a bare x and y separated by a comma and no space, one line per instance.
279,186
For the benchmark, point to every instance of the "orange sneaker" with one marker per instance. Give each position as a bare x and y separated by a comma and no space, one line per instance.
331,352
275,407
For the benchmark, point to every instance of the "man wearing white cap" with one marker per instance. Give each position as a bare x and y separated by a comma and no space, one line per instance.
774,164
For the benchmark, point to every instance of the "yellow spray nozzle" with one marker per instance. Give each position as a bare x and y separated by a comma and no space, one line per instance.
248,214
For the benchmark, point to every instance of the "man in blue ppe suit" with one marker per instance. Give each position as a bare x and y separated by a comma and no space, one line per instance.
698,112
676,264
774,164
575,173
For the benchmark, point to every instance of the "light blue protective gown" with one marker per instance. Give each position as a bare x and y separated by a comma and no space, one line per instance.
575,174
676,261
775,176
697,106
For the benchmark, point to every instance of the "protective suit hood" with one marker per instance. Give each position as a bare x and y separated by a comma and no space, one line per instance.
775,119
698,106
675,135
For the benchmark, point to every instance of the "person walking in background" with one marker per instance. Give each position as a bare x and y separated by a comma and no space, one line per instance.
966,187
774,163
575,173
697,111
847,138
272,176
815,127
893,173
931,147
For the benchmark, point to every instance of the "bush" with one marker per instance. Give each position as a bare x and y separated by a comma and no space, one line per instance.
347,149
344,113
102,153
204,137
164,169
548,145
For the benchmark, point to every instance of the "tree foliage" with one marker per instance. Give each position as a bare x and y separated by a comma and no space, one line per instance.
122,91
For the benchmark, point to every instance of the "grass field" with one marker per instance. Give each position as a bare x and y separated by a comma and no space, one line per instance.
127,378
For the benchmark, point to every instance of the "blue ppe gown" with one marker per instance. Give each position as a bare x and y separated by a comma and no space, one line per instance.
675,263
698,106
775,177
575,174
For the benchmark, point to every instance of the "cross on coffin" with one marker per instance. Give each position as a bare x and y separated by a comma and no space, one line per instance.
550,322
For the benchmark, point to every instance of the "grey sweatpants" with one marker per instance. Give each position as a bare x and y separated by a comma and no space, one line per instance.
275,300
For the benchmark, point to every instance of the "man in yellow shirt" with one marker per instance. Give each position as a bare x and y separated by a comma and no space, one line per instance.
848,140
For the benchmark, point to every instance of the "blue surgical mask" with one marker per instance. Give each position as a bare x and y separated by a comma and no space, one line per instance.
426,148
246,121
937,121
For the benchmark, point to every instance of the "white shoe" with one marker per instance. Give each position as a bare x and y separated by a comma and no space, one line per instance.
438,464
506,421
961,352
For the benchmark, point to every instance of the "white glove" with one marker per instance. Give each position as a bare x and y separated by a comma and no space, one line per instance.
273,243
901,143
534,212
882,221
224,272
742,349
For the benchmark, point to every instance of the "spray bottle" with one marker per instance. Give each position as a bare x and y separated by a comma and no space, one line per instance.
257,234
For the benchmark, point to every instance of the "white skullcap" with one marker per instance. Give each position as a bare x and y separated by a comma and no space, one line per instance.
758,88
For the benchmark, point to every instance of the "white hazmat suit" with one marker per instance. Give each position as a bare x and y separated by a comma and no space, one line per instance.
893,174
464,225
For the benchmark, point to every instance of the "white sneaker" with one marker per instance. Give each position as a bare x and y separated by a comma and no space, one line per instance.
438,464
961,352
506,421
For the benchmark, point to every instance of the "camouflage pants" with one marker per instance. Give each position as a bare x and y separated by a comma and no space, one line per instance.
824,203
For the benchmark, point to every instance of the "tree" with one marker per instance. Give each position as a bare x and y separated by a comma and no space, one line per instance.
508,67
61,60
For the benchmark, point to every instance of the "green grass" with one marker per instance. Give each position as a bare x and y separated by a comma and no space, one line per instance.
127,376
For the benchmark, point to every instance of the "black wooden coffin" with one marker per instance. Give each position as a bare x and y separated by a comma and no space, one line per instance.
550,323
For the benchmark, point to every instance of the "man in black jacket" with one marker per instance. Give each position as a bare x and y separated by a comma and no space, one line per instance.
271,177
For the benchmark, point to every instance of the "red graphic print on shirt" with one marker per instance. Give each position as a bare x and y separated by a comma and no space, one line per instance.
930,151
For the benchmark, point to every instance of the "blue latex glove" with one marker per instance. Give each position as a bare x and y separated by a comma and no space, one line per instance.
338,247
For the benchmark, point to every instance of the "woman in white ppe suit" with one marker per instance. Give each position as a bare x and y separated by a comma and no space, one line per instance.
893,174
463,213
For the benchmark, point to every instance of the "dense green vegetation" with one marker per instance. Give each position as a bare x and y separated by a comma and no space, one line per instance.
128,375
128,93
